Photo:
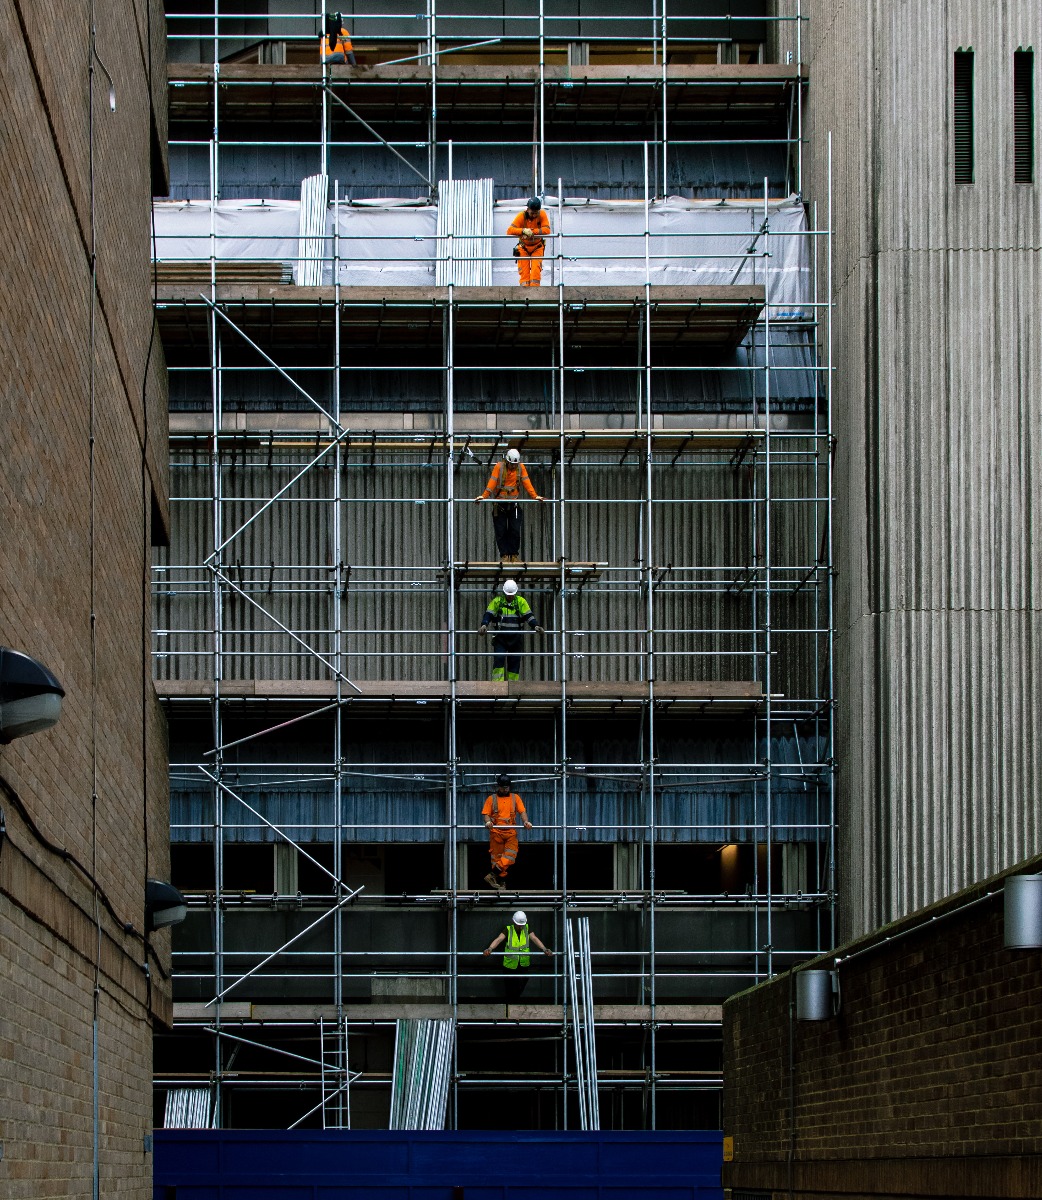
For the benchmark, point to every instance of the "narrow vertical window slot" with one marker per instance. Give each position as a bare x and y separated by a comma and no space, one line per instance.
1024,117
964,116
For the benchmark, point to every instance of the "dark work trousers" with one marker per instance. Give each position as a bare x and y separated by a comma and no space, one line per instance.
516,981
506,653
506,519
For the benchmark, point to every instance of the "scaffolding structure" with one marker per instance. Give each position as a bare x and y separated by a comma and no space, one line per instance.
334,730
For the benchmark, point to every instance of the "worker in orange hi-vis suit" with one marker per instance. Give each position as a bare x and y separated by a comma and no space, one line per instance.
508,477
531,227
500,813
336,41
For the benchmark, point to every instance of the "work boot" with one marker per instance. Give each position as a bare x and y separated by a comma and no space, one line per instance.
492,881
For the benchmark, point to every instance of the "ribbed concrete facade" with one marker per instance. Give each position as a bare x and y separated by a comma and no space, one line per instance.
937,341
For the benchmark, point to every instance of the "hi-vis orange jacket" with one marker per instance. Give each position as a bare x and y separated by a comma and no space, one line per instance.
506,483
343,43
540,223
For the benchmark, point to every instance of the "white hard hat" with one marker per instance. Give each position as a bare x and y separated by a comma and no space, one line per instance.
513,456
519,918
509,587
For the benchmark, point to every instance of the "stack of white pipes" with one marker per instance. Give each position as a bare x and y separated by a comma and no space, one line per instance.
422,1073
187,1108
580,995
311,243
464,233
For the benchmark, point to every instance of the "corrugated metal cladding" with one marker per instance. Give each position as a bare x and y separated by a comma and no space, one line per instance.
939,357
274,172
731,386
382,585
707,789
406,21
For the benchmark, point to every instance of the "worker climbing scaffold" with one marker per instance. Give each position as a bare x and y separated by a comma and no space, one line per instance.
531,227
500,813
508,477
509,612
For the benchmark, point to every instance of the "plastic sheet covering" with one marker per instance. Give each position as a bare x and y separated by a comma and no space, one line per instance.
393,242
693,242
247,230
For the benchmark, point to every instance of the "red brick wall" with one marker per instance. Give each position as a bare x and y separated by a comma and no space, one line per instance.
54,936
926,1083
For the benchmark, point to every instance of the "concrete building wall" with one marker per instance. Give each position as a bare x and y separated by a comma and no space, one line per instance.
937,321
916,1087
85,803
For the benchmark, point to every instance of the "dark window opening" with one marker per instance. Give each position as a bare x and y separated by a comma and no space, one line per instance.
1024,117
192,867
964,116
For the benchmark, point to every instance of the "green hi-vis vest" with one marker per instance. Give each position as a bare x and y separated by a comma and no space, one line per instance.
517,942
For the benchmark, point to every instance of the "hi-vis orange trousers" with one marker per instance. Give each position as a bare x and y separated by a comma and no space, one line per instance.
502,849
530,264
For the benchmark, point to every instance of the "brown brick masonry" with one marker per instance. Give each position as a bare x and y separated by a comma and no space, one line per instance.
925,1084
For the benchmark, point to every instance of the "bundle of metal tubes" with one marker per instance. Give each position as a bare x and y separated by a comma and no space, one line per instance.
311,251
422,1073
465,217
187,1108
580,995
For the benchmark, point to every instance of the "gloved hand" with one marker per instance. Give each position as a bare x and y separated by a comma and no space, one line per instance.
540,499
482,630
477,498
540,629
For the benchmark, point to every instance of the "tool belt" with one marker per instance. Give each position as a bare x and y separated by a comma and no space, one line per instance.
502,508
528,246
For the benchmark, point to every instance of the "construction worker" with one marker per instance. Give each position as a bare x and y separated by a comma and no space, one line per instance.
508,477
517,936
336,41
500,813
509,612
531,227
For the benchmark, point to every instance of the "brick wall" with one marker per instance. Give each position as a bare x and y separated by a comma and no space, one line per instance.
58,935
924,1084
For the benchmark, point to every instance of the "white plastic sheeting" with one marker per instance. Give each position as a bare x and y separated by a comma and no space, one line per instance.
395,242
249,230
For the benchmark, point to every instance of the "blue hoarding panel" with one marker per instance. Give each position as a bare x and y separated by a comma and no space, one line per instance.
464,1165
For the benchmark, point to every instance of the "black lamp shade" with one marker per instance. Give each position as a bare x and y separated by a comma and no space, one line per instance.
30,696
164,905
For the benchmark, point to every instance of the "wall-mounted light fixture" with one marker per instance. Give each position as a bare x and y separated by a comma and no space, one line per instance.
1023,912
817,995
30,696
164,905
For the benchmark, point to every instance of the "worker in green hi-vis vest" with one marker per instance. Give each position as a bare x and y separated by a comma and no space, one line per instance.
517,936
509,613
